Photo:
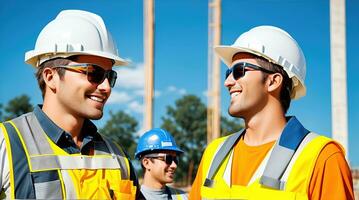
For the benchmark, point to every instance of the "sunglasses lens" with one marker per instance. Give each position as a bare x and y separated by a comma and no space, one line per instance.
228,72
175,159
95,74
112,76
170,158
238,71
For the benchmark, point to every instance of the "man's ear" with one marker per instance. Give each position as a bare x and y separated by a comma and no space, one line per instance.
51,77
146,163
274,82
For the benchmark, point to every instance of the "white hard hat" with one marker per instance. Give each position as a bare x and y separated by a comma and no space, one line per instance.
74,32
275,45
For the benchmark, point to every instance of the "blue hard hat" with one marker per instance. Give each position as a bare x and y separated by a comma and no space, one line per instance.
156,140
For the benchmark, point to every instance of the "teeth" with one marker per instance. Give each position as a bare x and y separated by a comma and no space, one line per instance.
96,99
234,94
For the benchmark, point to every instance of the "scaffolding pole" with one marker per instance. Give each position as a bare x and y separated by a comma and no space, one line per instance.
148,6
338,72
214,93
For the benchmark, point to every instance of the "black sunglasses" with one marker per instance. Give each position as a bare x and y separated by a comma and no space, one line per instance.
168,159
94,73
239,70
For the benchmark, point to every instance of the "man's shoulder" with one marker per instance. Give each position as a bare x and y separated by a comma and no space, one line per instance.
5,124
21,117
329,144
332,147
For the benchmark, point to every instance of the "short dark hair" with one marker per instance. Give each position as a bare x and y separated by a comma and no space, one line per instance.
53,63
287,84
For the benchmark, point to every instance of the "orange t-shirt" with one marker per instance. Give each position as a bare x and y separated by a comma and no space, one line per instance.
331,177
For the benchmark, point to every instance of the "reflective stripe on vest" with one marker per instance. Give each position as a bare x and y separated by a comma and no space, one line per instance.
296,176
43,169
279,159
221,154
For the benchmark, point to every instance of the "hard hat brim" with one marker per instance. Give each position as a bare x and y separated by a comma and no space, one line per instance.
138,155
33,58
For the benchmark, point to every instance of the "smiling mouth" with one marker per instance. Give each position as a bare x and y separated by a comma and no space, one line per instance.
170,172
97,99
234,94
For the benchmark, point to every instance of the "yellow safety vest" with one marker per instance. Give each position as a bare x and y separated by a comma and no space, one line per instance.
52,173
294,182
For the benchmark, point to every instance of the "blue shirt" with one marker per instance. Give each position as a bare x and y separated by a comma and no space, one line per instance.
64,139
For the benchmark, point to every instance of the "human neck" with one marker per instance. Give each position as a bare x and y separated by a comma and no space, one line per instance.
150,182
265,126
64,120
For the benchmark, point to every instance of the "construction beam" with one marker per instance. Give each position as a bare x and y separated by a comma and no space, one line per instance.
338,72
214,92
148,6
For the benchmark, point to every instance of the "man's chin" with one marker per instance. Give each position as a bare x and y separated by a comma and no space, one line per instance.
96,116
234,113
170,179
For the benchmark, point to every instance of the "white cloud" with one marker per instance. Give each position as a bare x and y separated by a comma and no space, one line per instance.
140,92
174,89
119,97
131,77
182,91
171,88
132,80
135,106
157,93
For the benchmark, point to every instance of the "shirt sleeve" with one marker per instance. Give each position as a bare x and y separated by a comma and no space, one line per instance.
331,176
4,168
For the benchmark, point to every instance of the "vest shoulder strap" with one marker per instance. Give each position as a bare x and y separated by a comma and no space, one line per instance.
279,161
21,181
221,155
284,149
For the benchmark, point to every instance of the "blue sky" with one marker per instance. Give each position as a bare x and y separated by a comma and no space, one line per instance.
181,51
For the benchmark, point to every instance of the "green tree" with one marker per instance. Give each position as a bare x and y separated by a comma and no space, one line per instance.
187,121
121,128
17,106
229,126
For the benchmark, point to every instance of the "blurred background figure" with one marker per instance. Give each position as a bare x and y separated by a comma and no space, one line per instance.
159,157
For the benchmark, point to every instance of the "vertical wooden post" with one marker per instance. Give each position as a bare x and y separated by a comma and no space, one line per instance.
214,65
148,61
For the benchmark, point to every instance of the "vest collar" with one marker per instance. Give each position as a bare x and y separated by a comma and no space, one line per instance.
293,133
56,134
